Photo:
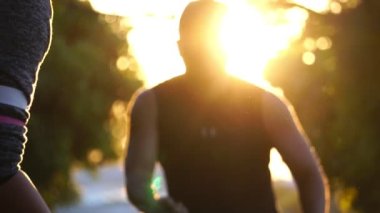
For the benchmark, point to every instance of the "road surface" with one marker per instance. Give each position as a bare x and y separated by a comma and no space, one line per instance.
103,192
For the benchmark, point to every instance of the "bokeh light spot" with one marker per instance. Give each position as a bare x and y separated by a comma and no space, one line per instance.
122,63
324,43
336,7
308,58
309,44
95,156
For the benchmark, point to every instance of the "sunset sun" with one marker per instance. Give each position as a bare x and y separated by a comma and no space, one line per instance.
252,38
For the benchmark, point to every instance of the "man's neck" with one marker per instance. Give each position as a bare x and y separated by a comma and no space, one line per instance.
211,85
205,74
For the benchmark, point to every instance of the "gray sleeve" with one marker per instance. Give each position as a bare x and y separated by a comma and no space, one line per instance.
25,34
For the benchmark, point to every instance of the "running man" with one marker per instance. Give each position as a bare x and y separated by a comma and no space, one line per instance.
213,133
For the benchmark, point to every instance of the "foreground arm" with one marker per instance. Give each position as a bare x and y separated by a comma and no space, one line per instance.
25,36
289,139
142,156
19,194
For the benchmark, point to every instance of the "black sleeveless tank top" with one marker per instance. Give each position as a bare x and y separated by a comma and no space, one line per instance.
215,151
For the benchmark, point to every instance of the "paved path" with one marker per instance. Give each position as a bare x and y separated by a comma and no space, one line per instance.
103,192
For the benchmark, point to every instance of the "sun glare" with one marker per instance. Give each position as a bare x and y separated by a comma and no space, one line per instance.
252,38
153,44
243,37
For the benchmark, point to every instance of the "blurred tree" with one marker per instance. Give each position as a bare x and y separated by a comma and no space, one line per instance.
338,99
78,84
356,132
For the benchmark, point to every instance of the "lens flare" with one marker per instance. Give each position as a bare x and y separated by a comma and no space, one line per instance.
155,186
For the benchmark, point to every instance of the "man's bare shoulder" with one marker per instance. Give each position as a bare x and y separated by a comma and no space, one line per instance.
279,116
276,106
143,101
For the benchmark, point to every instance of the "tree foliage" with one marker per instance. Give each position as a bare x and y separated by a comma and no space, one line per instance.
338,100
78,83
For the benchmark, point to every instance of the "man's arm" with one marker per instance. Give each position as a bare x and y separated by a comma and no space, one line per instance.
142,156
142,151
289,139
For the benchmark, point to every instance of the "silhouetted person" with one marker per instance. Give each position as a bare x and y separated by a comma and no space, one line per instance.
213,133
25,32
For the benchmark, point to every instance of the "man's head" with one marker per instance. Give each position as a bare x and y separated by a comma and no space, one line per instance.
199,42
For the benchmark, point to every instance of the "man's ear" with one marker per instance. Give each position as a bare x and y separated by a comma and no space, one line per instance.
180,47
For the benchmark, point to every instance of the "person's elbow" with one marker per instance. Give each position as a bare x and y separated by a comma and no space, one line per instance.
310,174
133,189
138,191
313,189
131,192
133,197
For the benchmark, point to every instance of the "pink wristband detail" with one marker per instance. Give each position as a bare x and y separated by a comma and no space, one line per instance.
9,120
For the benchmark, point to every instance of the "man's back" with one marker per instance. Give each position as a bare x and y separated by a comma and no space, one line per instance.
212,135
214,147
